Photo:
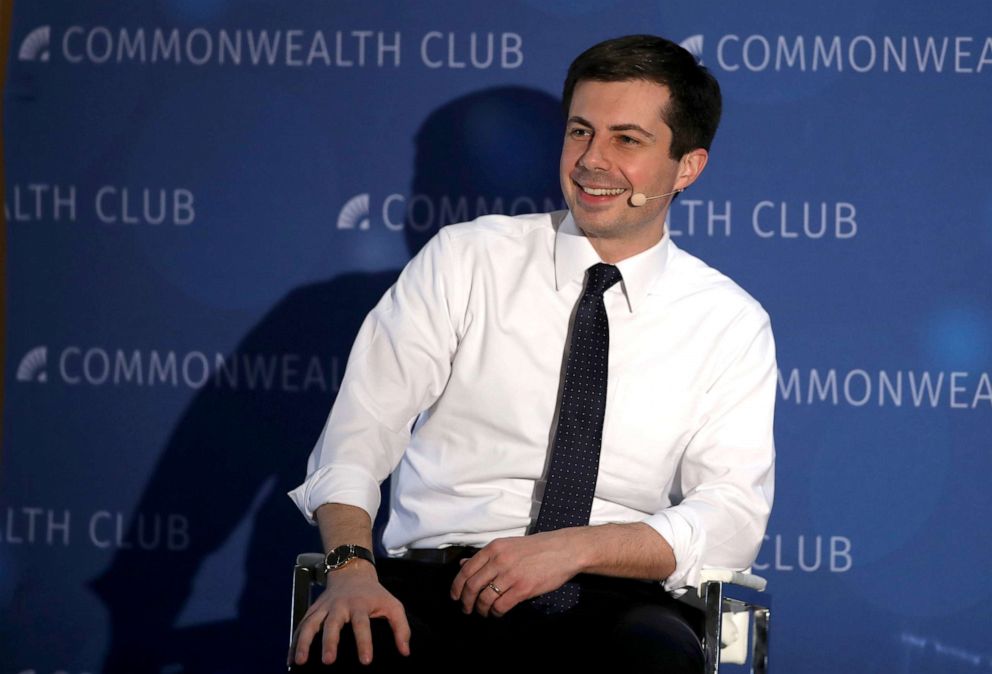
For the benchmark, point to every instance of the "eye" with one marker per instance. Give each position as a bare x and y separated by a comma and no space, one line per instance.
579,133
628,140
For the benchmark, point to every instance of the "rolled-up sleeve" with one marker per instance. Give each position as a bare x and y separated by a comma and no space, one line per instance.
398,367
727,471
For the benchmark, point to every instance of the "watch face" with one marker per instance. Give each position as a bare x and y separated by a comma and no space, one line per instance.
343,554
339,556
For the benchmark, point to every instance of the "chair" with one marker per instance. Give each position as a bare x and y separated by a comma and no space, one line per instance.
727,598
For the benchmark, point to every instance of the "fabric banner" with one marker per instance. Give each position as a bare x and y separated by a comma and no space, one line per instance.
204,198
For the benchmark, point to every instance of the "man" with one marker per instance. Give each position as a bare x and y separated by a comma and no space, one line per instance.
591,411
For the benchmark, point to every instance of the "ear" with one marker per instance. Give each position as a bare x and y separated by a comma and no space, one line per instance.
690,167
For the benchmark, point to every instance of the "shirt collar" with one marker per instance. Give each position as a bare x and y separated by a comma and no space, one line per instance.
574,254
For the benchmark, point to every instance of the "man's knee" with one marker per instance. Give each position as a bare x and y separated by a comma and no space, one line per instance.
655,638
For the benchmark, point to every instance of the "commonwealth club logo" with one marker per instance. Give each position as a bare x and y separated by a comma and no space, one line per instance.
34,365
355,213
694,45
34,47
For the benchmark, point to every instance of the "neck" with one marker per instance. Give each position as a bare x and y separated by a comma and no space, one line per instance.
615,249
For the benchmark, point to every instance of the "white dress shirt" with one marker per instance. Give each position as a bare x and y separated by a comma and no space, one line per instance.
467,348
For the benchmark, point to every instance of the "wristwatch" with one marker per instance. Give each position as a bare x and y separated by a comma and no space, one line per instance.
343,554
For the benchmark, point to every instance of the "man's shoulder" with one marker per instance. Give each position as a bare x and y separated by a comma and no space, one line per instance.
509,228
490,245
709,286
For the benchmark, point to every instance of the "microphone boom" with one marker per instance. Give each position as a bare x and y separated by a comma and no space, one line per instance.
639,199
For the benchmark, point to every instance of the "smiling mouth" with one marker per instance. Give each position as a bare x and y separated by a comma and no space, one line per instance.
602,191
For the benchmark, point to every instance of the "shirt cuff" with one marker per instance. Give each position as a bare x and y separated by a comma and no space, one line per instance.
687,543
337,484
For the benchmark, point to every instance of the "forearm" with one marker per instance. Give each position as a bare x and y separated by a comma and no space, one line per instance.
343,525
633,550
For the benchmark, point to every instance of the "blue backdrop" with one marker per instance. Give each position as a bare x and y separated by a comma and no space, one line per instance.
204,197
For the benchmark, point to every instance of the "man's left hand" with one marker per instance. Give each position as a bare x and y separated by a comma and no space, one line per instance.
511,570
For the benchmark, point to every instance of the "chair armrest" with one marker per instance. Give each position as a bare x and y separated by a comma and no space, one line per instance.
308,571
313,560
742,578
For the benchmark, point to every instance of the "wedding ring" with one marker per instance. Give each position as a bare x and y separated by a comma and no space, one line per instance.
495,589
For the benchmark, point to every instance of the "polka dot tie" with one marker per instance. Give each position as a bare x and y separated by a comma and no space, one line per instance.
571,480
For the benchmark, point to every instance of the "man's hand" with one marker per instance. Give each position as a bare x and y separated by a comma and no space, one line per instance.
527,566
520,567
353,595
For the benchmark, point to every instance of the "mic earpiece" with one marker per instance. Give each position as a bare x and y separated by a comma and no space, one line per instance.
639,199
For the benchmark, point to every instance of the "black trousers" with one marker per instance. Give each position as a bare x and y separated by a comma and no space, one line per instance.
619,625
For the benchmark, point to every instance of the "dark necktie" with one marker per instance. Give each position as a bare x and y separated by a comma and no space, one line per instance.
571,482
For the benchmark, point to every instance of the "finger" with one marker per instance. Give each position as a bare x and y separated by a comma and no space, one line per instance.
305,632
469,567
487,596
401,629
363,636
475,585
332,635
470,593
505,602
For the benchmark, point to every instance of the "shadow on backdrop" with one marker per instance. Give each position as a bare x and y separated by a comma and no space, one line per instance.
235,453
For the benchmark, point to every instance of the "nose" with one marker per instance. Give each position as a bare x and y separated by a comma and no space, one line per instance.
596,155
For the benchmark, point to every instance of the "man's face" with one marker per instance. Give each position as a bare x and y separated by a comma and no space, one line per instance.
616,144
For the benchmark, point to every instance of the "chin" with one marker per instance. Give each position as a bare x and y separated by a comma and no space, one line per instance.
597,219
596,228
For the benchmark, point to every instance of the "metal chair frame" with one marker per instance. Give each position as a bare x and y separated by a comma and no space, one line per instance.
724,593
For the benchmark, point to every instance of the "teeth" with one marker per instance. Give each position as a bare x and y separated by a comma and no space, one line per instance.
603,192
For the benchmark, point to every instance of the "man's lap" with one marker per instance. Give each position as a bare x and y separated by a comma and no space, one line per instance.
618,623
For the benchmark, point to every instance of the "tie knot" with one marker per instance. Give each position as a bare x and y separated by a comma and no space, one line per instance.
600,277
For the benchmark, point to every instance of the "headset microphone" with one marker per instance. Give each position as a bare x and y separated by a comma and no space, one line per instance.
638,198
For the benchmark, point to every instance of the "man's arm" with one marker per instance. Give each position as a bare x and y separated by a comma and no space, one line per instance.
526,566
399,366
353,593
726,479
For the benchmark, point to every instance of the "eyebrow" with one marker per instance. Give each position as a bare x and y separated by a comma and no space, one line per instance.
616,127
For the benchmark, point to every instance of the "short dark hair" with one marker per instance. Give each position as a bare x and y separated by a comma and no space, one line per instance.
693,112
